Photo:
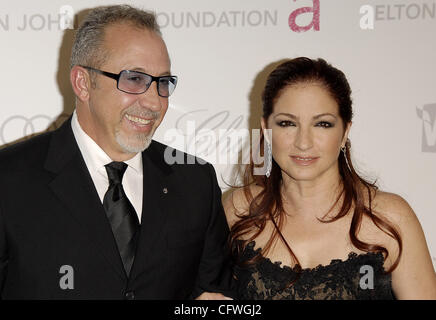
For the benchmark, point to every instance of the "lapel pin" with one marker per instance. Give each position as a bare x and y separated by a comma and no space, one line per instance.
165,190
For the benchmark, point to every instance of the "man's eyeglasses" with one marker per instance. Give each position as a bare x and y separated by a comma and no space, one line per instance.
136,82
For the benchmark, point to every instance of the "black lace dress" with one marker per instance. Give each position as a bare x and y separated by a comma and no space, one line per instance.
361,276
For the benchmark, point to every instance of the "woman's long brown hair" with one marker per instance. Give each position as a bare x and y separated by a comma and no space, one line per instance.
356,193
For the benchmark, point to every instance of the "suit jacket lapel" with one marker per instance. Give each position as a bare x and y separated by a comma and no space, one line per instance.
74,187
158,190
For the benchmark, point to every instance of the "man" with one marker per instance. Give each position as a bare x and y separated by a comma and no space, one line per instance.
92,210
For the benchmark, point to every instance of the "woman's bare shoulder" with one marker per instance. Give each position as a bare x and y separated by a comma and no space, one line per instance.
414,277
393,207
237,203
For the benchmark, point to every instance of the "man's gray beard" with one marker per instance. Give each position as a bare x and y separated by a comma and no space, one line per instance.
134,143
137,142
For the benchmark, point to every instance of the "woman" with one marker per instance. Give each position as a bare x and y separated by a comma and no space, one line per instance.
311,228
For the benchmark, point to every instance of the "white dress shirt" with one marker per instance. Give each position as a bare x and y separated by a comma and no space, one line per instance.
96,159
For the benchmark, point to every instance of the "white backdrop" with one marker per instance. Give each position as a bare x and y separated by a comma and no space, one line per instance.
222,51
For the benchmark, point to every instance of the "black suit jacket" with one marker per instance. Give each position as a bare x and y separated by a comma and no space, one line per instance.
51,216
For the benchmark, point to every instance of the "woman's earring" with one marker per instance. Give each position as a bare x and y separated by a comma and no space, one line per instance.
344,151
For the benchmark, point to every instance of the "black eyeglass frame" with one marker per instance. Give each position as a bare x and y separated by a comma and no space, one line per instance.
118,76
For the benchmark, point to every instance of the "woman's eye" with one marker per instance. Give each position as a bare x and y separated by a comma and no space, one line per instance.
285,123
324,124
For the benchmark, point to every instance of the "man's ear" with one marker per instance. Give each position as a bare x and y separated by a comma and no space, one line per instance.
81,82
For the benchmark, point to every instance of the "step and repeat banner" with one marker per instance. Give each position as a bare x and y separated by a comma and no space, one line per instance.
222,52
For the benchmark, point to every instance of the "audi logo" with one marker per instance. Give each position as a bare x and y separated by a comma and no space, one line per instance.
19,127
